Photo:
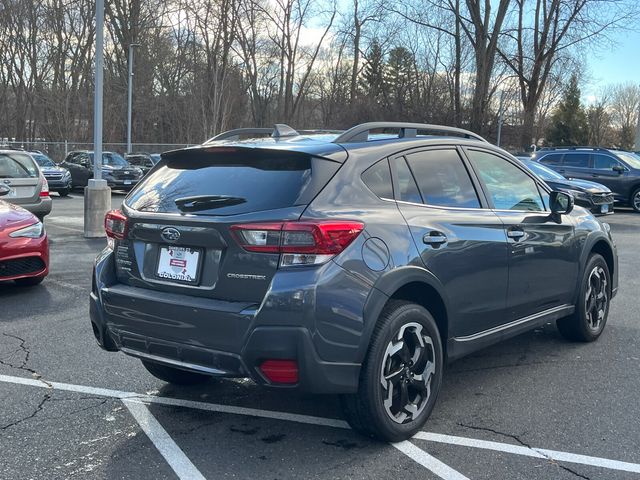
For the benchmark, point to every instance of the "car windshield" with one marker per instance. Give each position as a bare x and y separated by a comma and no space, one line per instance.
631,159
17,165
43,160
112,159
543,172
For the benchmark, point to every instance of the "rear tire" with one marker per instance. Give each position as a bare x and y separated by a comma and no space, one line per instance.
400,377
173,375
592,308
635,200
29,282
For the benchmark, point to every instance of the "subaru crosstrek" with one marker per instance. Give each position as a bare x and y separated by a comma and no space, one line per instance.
352,264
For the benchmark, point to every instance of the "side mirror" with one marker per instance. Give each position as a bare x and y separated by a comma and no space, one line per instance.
4,189
560,202
618,168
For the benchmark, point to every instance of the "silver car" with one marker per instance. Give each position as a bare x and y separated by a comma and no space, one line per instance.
29,189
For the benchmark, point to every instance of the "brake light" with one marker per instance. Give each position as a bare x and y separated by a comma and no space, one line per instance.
299,243
115,224
44,191
280,371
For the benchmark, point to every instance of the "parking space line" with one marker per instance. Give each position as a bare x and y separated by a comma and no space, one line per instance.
530,452
171,452
335,423
429,462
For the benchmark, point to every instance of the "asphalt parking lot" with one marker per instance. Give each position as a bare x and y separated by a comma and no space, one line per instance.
534,407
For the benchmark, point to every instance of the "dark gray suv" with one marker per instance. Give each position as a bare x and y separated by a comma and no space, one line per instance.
616,169
353,264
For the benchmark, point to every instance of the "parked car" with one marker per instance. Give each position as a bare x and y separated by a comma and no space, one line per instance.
351,264
24,247
58,178
27,186
118,173
595,197
618,170
155,157
143,161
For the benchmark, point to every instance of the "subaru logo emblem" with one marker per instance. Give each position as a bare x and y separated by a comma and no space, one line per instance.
170,234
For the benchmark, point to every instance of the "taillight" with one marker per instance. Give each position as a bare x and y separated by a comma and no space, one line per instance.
299,243
115,224
44,191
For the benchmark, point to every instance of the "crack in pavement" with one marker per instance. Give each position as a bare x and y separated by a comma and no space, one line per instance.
524,444
23,367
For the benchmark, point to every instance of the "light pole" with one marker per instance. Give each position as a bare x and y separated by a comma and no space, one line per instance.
97,197
130,95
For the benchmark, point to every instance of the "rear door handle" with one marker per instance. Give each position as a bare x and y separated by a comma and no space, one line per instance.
515,233
434,238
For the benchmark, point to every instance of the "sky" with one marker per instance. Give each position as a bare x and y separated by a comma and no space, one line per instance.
616,63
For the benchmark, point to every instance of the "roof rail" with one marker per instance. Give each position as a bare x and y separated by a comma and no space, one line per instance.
279,130
360,133
577,147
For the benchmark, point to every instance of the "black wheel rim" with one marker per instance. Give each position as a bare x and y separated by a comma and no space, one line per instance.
407,373
596,298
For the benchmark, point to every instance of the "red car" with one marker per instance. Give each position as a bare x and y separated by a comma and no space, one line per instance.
24,247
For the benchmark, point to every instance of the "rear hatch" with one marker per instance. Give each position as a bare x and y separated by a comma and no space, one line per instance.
21,174
179,236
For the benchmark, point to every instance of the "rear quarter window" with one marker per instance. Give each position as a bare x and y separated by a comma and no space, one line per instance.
378,179
231,182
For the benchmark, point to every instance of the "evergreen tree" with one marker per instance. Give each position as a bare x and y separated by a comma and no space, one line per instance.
569,120
373,74
400,78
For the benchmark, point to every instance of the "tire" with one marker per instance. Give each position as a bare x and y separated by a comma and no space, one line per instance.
366,411
592,308
64,192
173,375
29,282
634,201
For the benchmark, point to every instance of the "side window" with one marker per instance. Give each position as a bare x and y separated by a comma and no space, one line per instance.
408,190
576,160
508,186
552,159
604,162
443,179
378,179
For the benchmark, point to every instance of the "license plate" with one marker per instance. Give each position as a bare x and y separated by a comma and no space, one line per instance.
604,208
127,182
179,264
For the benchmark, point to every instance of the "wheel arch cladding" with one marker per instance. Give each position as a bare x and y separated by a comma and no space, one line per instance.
413,284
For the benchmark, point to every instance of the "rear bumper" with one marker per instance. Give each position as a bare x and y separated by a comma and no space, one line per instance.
210,336
40,208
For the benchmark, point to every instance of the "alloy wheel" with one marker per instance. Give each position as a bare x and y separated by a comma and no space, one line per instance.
636,200
408,369
596,298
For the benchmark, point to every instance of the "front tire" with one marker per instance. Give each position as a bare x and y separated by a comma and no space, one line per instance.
173,375
635,200
64,192
592,308
400,377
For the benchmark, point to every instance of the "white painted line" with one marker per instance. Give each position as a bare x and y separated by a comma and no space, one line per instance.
171,452
530,452
429,462
329,422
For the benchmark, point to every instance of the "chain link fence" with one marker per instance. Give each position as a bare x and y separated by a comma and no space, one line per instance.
57,151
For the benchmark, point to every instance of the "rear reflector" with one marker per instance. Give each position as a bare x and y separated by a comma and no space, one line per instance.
300,243
115,224
280,371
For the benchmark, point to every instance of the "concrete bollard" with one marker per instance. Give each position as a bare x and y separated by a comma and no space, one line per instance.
97,202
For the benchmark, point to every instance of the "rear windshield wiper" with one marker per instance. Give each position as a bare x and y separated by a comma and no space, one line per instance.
207,202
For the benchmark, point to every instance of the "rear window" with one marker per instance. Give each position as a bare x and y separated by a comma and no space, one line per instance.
231,183
17,165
